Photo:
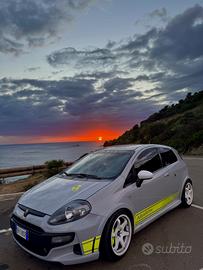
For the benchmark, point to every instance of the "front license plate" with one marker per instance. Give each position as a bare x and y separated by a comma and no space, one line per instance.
22,232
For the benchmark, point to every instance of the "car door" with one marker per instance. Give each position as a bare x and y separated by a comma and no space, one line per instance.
170,169
153,195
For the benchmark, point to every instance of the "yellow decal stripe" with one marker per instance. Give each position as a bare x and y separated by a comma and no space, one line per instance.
87,246
88,252
153,209
96,243
91,245
89,240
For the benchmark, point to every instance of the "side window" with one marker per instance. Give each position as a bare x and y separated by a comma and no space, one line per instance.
168,157
131,178
148,160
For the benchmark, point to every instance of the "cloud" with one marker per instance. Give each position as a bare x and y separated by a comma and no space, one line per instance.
182,38
168,59
142,78
141,41
34,22
176,50
41,107
8,45
101,74
79,58
159,13
116,85
31,69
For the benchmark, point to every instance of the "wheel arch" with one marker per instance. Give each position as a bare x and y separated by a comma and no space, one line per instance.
183,184
184,202
119,210
124,210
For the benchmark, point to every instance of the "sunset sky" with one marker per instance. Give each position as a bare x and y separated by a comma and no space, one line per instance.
74,70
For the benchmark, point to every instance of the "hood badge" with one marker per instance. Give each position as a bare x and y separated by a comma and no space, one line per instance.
76,188
26,212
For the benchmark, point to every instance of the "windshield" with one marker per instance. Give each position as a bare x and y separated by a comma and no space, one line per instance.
100,165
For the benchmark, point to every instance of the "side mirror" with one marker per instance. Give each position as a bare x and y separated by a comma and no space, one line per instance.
145,175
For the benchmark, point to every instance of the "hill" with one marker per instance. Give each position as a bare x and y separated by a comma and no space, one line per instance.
179,125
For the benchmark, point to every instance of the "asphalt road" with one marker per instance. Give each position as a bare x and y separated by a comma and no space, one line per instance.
176,239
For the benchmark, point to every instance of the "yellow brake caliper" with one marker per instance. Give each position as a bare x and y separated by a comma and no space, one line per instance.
113,238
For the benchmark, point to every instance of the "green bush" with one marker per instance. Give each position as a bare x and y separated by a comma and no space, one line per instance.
54,167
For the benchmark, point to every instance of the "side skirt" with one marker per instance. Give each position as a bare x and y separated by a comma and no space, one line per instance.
148,221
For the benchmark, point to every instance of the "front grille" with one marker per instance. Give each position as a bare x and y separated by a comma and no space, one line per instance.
27,225
38,241
31,211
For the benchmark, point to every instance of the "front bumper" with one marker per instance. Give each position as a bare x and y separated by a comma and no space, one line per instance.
38,242
83,245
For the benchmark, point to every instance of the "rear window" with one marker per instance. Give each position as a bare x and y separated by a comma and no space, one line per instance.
168,156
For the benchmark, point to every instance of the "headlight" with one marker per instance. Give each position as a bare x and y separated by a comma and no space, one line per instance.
70,212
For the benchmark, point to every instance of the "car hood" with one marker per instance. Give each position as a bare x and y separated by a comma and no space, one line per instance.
55,192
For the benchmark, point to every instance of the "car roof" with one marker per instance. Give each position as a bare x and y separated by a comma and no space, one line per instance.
133,146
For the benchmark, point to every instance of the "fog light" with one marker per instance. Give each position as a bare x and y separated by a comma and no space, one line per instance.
62,239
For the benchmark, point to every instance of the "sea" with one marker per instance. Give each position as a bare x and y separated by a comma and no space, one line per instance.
19,155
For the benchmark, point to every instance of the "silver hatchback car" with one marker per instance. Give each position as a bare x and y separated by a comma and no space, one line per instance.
92,208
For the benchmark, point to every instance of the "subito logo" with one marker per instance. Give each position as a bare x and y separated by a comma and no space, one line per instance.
147,249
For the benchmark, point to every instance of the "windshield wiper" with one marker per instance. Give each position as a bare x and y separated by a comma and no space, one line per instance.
82,175
89,175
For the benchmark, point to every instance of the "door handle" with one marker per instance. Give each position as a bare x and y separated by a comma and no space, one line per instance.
166,174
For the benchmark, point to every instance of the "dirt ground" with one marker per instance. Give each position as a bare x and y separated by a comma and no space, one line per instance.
21,185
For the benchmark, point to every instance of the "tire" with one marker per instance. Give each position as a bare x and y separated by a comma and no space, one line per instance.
187,194
115,236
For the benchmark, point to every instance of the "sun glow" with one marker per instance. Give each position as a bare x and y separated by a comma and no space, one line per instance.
82,135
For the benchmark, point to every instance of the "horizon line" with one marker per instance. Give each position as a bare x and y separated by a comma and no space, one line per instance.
3,144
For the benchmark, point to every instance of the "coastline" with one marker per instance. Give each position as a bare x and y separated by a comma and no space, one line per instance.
25,184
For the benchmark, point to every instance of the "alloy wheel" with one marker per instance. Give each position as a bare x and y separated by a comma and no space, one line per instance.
121,234
189,193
